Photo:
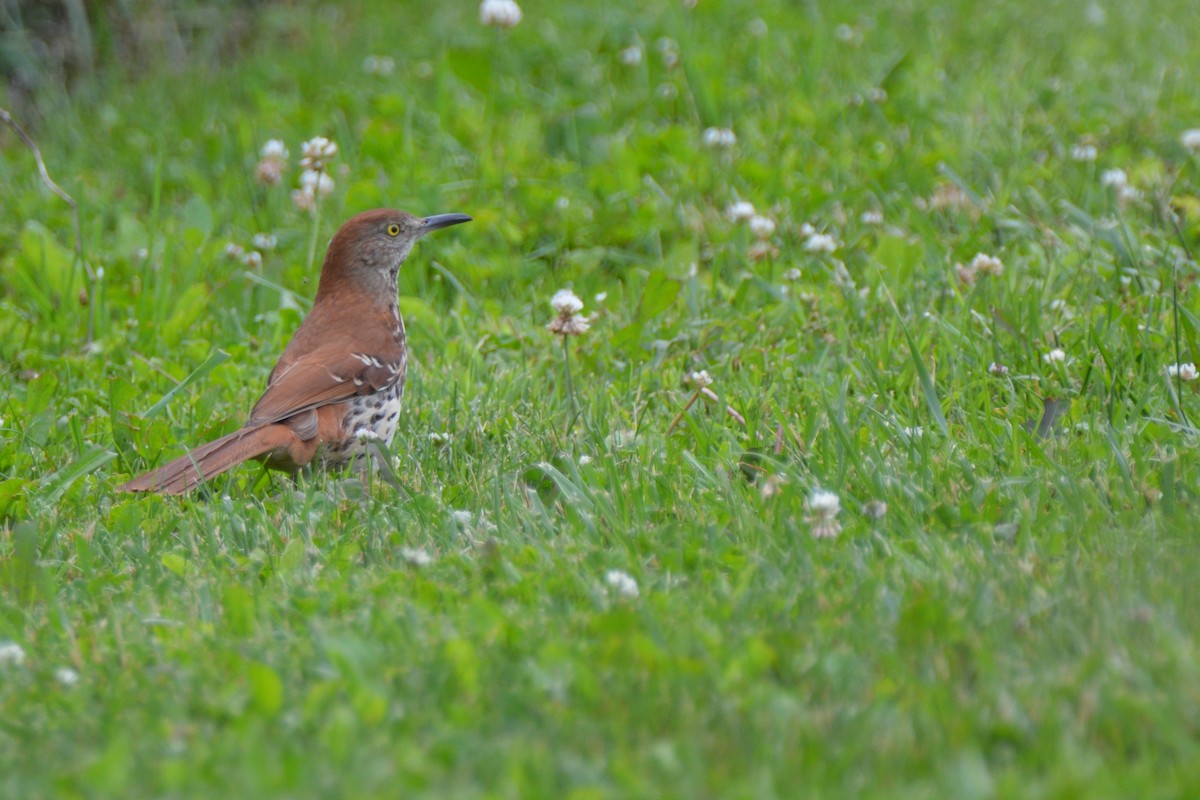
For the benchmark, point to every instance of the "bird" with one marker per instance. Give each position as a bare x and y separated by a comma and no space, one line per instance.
340,380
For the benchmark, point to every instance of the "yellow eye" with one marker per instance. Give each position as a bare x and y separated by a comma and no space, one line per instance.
393,229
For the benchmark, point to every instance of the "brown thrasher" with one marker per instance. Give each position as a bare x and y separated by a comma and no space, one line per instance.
342,372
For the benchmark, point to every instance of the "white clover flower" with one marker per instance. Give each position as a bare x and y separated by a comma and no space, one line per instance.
568,322
584,460
823,508
416,556
269,171
265,241
499,13
1055,356
876,509
871,218
821,243
275,150
317,153
668,49
379,65
303,201
807,230
1185,371
914,432
366,435
1128,194
313,181
66,676
719,137
741,210
600,297
11,653
461,516
1191,140
252,259
792,274
984,264
700,379
233,251
1114,177
762,227
566,301
877,95
622,583
631,56
1083,152
441,439
999,370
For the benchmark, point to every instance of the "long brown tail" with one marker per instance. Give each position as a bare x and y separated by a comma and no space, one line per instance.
212,459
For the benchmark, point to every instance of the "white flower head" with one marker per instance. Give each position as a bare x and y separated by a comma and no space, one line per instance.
1084,152
366,435
762,227
997,369
569,321
274,150
1191,140
622,583
313,181
416,556
821,243
317,153
983,264
461,517
566,301
1114,177
823,508
741,210
1055,356
700,379
233,251
66,676
792,274
252,259
265,241
584,459
871,218
1185,371
631,56
719,137
379,65
499,13
12,654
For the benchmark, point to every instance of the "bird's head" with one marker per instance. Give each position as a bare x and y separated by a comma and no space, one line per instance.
368,249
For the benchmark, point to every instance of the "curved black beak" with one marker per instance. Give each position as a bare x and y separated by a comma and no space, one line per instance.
442,221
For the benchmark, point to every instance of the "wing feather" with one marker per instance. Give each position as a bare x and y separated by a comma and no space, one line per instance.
324,376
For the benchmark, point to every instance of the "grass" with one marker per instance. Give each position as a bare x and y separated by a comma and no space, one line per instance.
1020,622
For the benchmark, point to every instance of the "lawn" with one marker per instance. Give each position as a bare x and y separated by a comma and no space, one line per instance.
929,532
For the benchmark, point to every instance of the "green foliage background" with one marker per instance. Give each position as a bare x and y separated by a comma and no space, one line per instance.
1020,622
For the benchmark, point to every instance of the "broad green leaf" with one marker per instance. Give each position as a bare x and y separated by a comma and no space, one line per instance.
658,295
188,309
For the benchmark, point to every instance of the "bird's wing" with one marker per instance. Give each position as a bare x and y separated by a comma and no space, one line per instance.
325,375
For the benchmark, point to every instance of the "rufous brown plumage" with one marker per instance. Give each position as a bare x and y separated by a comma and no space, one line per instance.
341,378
